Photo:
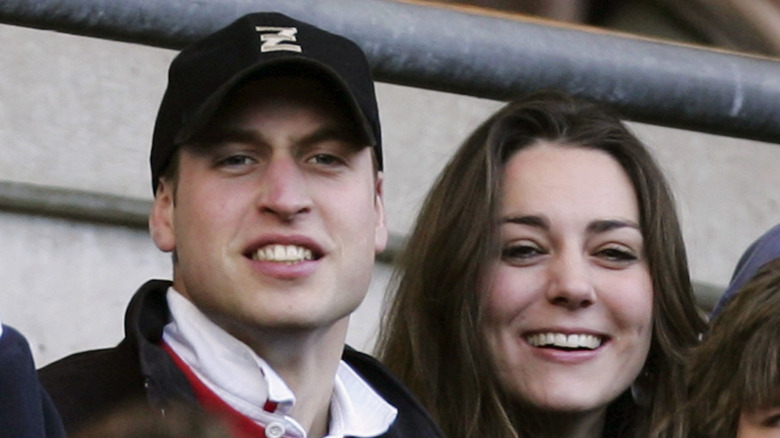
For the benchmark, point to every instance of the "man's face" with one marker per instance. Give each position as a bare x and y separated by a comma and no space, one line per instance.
276,213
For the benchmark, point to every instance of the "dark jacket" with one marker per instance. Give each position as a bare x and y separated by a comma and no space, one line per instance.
87,385
25,409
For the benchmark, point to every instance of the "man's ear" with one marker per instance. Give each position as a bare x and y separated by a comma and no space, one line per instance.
380,231
161,217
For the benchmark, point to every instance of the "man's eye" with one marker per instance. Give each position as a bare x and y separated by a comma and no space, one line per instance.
325,160
236,160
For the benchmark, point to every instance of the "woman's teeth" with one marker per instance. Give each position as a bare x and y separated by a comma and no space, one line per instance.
561,340
282,253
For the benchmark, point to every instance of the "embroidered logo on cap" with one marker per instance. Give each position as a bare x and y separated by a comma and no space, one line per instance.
278,39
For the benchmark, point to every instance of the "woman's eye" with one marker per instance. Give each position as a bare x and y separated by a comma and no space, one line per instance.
520,252
617,254
773,421
768,417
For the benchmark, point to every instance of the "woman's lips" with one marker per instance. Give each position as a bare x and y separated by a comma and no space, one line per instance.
574,341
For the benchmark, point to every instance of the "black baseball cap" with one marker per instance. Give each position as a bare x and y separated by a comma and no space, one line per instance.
257,44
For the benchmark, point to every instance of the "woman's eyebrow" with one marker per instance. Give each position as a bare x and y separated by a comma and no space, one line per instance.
595,227
604,225
529,220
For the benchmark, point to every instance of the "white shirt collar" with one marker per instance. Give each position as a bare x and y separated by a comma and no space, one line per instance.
246,382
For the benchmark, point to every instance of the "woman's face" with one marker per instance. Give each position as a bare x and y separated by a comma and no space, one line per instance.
569,305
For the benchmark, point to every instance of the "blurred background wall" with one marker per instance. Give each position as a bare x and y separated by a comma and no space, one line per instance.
76,116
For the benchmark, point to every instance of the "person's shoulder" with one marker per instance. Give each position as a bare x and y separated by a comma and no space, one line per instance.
90,382
13,343
92,364
117,369
25,408
15,354
413,420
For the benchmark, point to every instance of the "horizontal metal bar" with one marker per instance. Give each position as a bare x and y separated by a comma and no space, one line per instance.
73,204
489,56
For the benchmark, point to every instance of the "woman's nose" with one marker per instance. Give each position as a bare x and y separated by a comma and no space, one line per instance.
571,285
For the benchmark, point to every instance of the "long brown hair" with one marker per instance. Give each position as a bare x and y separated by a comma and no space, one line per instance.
432,335
737,367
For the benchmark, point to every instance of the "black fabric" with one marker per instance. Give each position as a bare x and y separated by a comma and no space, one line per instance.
87,385
26,411
413,420
621,418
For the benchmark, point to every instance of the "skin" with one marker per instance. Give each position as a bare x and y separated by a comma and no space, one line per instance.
761,423
279,165
572,262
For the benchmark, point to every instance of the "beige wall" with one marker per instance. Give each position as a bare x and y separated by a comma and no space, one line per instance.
77,113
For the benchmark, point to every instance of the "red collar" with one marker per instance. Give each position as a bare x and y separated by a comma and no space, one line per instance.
241,425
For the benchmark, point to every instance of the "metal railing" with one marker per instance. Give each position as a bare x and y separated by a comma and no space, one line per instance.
485,55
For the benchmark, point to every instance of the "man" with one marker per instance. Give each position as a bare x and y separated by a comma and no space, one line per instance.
266,166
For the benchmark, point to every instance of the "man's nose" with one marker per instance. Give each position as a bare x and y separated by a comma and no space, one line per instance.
284,190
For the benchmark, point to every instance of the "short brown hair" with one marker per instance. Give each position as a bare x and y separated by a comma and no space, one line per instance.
737,367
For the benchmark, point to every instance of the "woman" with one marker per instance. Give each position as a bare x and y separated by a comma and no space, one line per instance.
735,373
545,283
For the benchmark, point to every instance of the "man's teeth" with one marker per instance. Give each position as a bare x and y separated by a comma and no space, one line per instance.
590,342
283,253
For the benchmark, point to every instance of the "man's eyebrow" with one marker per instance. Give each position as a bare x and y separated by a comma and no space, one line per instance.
331,132
605,225
529,220
251,136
